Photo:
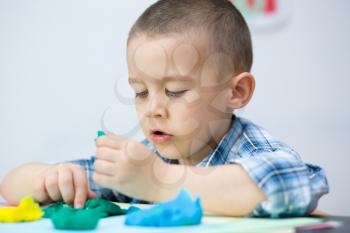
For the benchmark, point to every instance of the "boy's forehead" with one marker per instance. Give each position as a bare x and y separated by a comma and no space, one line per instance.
165,56
168,42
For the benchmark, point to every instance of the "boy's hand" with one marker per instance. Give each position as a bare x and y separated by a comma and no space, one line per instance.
127,166
67,182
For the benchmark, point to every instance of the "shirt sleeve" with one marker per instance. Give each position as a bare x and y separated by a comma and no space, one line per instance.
107,194
291,187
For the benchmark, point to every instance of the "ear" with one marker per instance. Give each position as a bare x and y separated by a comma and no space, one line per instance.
241,90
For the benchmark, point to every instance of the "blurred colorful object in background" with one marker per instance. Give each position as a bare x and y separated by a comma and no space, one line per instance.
264,14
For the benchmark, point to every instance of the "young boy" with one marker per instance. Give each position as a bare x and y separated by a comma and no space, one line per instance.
189,64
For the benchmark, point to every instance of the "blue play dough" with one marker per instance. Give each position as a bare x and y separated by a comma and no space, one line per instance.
178,212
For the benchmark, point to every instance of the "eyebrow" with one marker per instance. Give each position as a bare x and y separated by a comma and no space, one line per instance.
178,78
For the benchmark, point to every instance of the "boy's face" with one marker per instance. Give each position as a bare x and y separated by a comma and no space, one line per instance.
180,100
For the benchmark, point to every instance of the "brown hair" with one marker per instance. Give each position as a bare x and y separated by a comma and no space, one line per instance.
226,28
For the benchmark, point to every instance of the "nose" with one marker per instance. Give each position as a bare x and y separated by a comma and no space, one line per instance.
157,107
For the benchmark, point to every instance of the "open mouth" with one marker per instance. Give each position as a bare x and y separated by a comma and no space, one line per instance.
158,136
158,133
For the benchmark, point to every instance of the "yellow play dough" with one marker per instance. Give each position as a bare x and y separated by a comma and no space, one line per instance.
26,211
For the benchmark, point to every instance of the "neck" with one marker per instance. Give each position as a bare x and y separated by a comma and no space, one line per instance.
203,152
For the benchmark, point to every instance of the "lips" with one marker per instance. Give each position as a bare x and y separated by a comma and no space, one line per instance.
158,136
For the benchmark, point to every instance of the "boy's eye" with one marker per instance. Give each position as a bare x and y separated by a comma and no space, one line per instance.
142,94
175,93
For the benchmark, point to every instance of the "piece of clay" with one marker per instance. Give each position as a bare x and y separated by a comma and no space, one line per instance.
181,211
26,211
65,217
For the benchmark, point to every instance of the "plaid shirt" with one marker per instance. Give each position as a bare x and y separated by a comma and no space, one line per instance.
292,188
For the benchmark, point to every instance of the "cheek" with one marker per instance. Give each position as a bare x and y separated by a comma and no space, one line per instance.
186,118
140,111
218,102
141,115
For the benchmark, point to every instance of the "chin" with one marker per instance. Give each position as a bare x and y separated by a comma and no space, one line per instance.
168,151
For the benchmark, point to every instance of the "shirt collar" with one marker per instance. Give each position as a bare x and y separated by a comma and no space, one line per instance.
219,155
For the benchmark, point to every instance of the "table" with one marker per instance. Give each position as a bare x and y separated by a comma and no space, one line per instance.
345,225
210,223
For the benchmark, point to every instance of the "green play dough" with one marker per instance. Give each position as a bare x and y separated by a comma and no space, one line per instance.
48,211
104,208
100,133
65,217
72,219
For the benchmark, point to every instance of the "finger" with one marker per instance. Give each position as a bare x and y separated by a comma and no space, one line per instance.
111,141
91,194
137,153
65,184
51,186
105,167
108,154
39,192
81,187
102,180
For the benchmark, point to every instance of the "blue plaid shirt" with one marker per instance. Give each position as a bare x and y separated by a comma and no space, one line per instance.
292,188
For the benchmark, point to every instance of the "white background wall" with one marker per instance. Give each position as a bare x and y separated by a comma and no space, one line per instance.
60,59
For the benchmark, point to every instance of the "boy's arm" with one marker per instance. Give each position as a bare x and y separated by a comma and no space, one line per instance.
132,169
226,190
47,183
275,183
21,181
270,184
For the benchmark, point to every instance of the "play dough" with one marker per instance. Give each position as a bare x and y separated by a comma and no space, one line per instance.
26,211
65,217
181,211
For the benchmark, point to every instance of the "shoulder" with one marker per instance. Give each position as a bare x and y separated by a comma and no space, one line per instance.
254,139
